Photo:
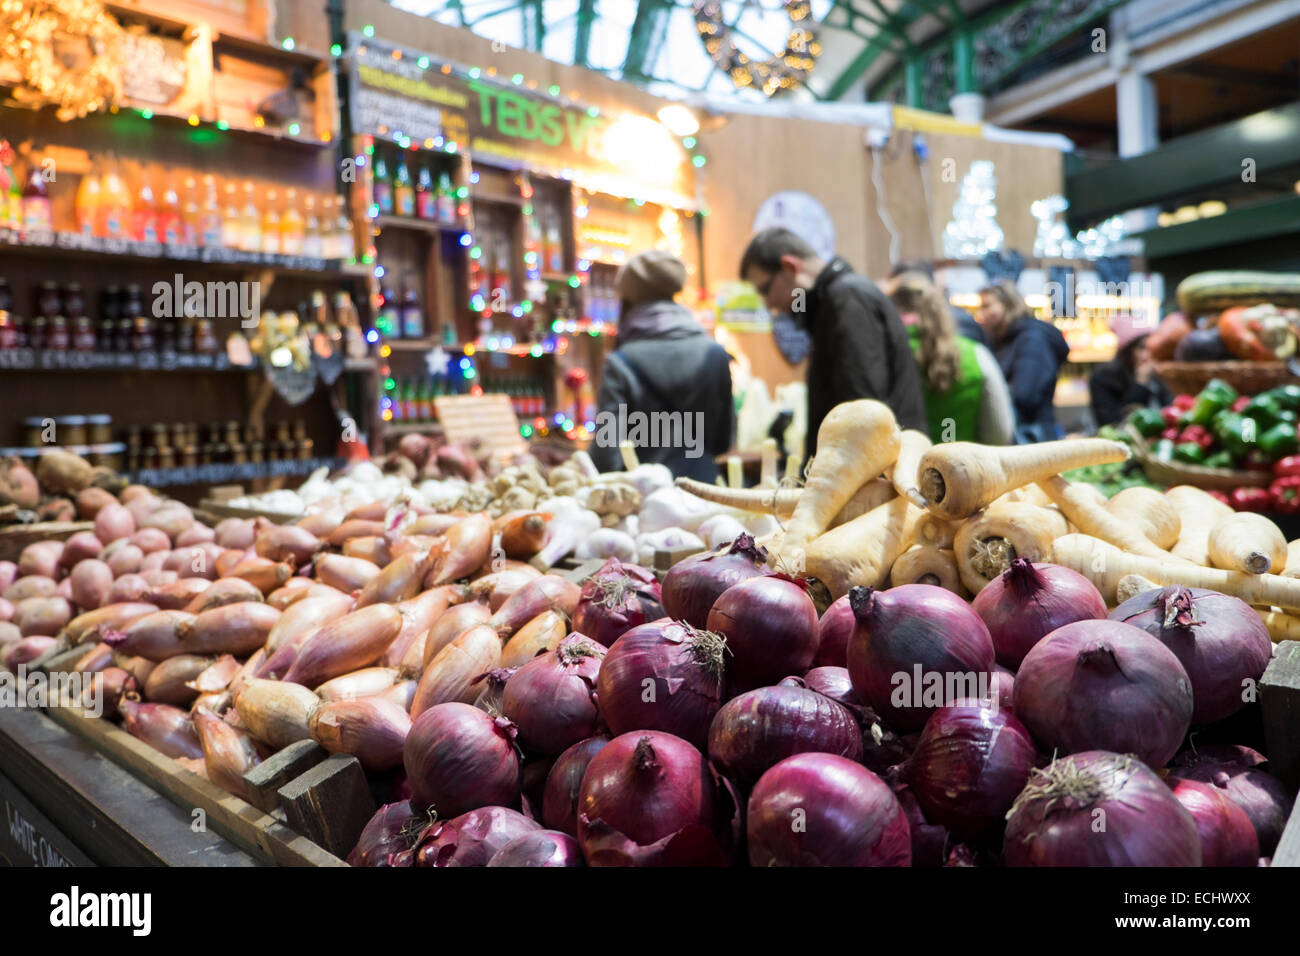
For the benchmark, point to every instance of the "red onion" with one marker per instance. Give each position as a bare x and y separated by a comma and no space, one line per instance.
770,624
1004,687
687,671
540,848
392,830
1104,685
824,810
915,648
1026,602
833,633
1220,641
649,799
616,599
560,798
551,699
929,840
969,766
760,728
832,682
692,585
1099,809
458,758
472,838
1227,835
166,729
494,686
1236,773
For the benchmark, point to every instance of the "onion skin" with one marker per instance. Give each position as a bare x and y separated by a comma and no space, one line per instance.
167,682
563,783
96,659
236,629
758,729
467,547
285,542
222,592
344,573
218,675
277,713
687,670
166,729
418,615
832,682
833,633
402,694
179,594
617,598
458,758
155,636
929,840
1224,653
293,591
393,830
305,617
344,645
543,633
451,624
648,799
235,533
1227,835
398,581
264,574
851,816
369,728
550,592
541,848
693,584
110,617
551,699
92,583
228,753
472,838
969,766
1235,772
770,624
1026,602
1104,685
456,673
108,686
363,683
371,547
915,626
355,528
1054,820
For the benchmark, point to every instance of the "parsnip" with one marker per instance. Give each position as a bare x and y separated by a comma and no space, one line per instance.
912,446
1150,512
859,552
1197,513
1281,626
1292,569
986,544
1090,518
1248,542
1131,585
921,564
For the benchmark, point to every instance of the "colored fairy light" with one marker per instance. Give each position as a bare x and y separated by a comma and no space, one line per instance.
567,426
697,161
463,191
526,430
379,272
368,30
528,306
517,79
390,384
535,351
559,417
590,426
223,125
593,112
336,49
476,389
388,414
473,178
517,312
553,89
372,336
584,265
468,373
574,282
476,252
493,344
466,239
689,142
462,210
423,62
372,211
385,402
287,43
557,325
507,342
464,363
476,302
451,147
293,129
194,119
385,350
469,349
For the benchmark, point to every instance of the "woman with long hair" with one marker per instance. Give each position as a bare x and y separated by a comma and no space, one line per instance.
1030,353
965,395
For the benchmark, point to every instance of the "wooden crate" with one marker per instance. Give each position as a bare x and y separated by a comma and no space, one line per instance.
13,539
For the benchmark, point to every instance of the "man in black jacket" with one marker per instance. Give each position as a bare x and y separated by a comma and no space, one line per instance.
859,344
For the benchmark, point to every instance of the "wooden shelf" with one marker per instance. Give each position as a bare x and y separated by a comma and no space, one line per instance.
415,345
501,199
409,428
414,225
227,473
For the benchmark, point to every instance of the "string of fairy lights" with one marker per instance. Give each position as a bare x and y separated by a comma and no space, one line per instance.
786,70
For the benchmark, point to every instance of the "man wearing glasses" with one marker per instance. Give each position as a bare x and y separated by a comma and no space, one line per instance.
859,344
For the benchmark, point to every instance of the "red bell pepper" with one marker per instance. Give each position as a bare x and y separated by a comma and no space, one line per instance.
1288,466
1172,433
1198,434
1172,414
1184,403
1251,499
1256,460
1219,496
1241,403
1286,494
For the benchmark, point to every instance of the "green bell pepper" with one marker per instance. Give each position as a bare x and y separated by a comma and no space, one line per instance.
1220,459
1164,450
1288,396
1189,452
1279,441
1214,398
1235,432
1268,409
1147,421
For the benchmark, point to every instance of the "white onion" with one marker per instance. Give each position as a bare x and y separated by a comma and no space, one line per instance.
650,542
650,477
673,508
720,530
607,543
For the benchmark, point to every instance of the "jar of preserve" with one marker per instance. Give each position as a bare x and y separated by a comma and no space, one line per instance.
158,435
180,435
205,339
238,453
106,338
134,435
142,335
56,334
83,334
110,455
305,448
133,460
8,330
22,337
282,432
34,432
48,301
190,456
101,429
71,430
257,452
299,429
149,458
122,341
232,433
166,458
74,304
205,453
185,336
36,332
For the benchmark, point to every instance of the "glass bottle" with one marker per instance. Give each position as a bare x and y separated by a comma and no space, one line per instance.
37,215
383,186
291,229
271,223
114,204
446,200
346,237
170,224
88,203
387,320
403,192
311,234
231,222
144,217
250,221
425,204
190,213
13,217
412,315
210,213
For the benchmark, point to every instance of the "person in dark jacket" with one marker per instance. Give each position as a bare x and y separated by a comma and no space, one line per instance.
859,346
1030,353
667,387
1129,379
967,327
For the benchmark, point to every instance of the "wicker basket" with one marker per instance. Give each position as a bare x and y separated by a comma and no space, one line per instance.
1171,473
1248,378
16,537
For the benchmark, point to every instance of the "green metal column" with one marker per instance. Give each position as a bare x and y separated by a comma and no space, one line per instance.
913,66
963,61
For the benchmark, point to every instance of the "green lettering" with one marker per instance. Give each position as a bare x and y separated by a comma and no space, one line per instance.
552,131
485,94
510,110
579,126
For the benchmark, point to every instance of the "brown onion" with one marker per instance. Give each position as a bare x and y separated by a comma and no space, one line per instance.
369,728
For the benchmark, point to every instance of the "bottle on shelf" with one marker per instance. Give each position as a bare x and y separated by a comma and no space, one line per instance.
37,215
345,314
210,233
501,272
412,316
445,201
114,203
144,217
190,213
383,187
13,199
88,203
271,223
311,231
388,320
403,191
250,221
346,240
425,197
555,246
291,228
232,234
171,227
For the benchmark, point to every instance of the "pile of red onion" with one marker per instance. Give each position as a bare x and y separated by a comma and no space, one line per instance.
1026,602
770,624
615,599
694,584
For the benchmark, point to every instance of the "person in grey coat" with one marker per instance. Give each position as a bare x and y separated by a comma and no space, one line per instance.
667,387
